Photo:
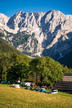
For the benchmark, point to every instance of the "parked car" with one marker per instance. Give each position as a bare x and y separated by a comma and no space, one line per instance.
26,84
32,84
54,91
15,85
43,90
28,87
18,82
4,81
40,90
37,88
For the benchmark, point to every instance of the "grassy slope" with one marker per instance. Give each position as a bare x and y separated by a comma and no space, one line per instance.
4,47
21,98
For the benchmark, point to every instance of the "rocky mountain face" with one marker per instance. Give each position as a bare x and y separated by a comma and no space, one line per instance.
39,33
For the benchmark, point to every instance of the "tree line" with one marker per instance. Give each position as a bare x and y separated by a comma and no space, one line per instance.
14,67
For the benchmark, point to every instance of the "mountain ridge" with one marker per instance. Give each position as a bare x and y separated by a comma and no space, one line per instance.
50,33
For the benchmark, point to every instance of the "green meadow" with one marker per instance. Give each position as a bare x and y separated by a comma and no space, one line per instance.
21,98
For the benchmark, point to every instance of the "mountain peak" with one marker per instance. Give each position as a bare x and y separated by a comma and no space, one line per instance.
48,33
19,12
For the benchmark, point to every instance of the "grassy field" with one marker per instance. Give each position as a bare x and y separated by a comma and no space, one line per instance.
22,98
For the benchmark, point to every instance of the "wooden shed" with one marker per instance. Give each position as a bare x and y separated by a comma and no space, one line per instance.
65,85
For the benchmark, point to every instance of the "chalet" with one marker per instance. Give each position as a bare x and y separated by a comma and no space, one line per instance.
65,85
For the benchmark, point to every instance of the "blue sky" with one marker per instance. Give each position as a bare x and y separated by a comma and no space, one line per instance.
10,7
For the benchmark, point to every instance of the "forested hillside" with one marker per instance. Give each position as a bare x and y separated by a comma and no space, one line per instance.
6,48
14,67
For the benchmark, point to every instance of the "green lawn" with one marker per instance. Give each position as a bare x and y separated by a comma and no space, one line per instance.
22,98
